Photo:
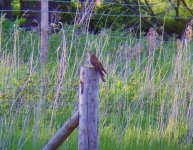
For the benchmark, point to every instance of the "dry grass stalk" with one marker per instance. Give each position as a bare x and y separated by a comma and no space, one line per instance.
15,48
151,37
190,124
85,13
55,19
60,75
1,22
188,31
130,53
186,38
179,53
135,51
179,44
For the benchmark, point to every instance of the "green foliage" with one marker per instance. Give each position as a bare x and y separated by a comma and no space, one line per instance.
126,15
16,6
20,21
138,99
7,24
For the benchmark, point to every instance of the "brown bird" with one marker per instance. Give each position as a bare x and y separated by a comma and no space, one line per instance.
93,60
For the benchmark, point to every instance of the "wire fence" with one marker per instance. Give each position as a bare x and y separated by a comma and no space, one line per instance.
69,92
109,14
136,4
95,14
99,15
102,14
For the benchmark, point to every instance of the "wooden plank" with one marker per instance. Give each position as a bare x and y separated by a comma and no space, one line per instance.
63,133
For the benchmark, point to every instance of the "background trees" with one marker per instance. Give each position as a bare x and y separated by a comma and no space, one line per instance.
114,14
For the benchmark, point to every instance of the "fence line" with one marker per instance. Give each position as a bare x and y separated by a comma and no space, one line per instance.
31,102
108,3
104,14
116,3
116,37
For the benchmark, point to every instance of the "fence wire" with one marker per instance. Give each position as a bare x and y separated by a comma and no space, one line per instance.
102,14
120,3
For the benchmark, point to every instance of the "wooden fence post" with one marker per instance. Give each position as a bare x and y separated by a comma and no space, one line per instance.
88,109
44,31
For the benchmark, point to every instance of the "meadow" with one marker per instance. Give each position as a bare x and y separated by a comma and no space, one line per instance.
146,102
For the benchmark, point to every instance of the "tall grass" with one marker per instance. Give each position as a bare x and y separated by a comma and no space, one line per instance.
146,102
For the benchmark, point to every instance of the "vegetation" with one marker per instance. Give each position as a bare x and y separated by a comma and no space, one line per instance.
146,102
115,14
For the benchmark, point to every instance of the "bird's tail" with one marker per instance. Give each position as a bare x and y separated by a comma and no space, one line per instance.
104,70
102,76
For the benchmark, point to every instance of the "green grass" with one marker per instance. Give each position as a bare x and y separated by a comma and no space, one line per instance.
146,102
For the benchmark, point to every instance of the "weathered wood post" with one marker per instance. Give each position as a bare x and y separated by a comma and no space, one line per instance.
88,109
44,31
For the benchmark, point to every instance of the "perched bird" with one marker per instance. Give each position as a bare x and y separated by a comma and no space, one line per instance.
93,60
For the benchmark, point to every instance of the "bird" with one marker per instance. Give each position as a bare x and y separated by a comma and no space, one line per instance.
94,61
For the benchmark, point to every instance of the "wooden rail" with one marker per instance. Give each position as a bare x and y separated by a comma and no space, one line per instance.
63,133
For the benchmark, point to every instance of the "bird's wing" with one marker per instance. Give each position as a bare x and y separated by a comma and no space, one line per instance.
102,68
94,61
97,64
